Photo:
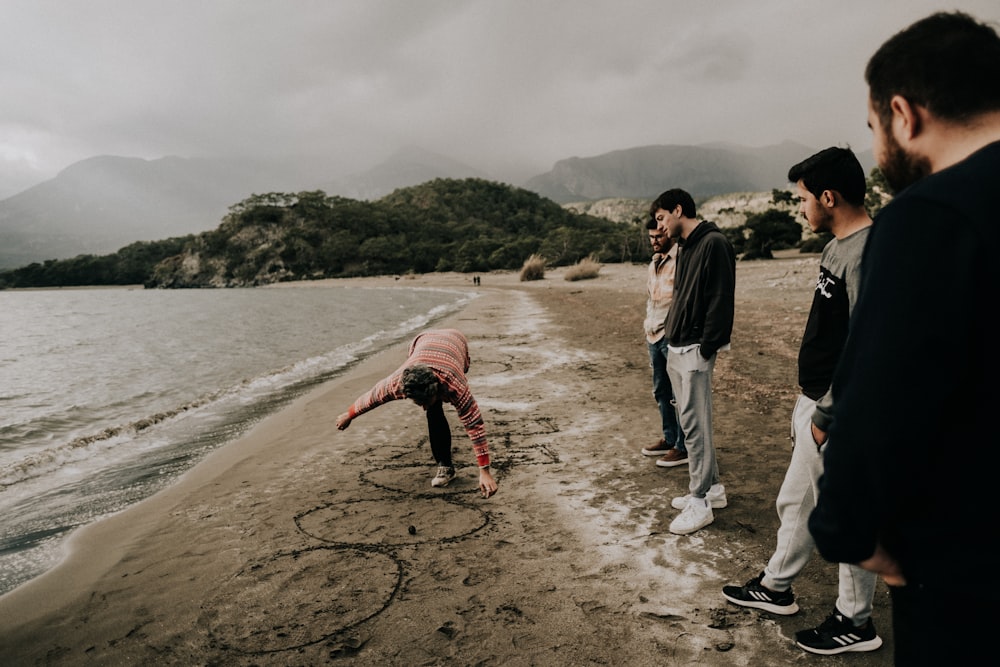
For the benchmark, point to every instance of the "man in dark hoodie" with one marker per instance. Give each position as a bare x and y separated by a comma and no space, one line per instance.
699,324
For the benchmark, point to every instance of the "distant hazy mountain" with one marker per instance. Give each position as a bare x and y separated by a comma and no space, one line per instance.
646,171
407,167
101,204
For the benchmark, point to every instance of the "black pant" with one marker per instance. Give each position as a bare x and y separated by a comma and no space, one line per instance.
440,434
940,627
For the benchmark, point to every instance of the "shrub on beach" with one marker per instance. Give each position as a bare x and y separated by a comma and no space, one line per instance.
586,269
533,268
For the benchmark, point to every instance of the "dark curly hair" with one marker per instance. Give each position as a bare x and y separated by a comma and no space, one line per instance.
420,384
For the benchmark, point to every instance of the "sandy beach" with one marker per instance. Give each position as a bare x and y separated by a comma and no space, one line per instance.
302,545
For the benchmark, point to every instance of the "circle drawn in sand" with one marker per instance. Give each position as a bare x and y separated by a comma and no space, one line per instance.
298,599
381,523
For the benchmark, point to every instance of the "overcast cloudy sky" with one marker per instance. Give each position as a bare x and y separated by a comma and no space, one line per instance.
509,86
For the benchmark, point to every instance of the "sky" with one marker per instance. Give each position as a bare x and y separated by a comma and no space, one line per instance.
507,86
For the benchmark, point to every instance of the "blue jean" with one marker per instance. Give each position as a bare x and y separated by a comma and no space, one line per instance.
664,394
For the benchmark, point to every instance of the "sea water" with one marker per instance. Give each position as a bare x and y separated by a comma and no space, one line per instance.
108,395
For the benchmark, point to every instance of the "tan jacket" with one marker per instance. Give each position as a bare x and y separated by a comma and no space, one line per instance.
659,292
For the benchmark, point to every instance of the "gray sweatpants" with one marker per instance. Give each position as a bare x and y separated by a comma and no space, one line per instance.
796,501
691,378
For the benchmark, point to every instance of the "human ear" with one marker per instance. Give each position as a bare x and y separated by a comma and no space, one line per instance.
906,119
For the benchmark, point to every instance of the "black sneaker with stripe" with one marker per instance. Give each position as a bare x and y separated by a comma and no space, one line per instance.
837,634
755,594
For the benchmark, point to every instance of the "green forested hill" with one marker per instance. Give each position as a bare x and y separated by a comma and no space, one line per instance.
443,225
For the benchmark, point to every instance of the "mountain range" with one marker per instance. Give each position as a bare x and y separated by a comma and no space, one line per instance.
99,205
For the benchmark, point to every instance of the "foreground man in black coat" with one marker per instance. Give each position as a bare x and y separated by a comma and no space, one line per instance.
906,490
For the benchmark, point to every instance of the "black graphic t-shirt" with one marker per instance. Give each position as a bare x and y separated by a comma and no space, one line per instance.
833,300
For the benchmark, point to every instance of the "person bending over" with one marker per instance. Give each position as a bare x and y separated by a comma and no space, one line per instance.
434,374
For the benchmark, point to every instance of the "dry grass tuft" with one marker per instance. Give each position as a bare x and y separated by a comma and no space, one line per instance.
586,269
533,268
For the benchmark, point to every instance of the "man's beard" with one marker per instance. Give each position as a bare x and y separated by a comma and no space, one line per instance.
902,169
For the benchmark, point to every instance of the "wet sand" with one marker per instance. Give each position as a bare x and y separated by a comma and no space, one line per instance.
302,545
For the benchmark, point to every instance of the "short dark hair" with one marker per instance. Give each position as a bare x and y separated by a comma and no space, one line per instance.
947,62
420,384
669,200
832,169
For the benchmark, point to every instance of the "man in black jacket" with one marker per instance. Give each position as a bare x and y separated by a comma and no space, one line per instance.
906,489
699,324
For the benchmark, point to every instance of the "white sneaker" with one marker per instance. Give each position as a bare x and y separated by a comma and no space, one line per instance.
695,516
443,476
716,496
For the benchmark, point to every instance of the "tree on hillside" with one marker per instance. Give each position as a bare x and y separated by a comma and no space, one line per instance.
877,192
815,242
768,231
782,197
737,237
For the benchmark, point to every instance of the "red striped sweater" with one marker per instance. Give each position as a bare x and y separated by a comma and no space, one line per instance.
446,353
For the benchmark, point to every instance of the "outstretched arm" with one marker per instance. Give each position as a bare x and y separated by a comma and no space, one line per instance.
389,389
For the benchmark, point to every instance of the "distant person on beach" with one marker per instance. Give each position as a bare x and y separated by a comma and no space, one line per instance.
916,391
434,374
698,325
659,293
831,191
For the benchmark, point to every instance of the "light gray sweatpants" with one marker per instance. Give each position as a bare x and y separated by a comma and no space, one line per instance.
691,378
796,501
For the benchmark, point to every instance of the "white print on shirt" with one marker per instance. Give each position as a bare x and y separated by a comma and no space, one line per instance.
822,283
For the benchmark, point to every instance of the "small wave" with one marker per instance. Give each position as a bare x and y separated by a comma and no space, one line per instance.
39,463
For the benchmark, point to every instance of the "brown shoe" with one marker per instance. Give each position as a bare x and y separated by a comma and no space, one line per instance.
672,458
659,449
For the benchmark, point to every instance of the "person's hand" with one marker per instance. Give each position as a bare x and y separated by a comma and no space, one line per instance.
885,566
819,436
343,421
487,485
